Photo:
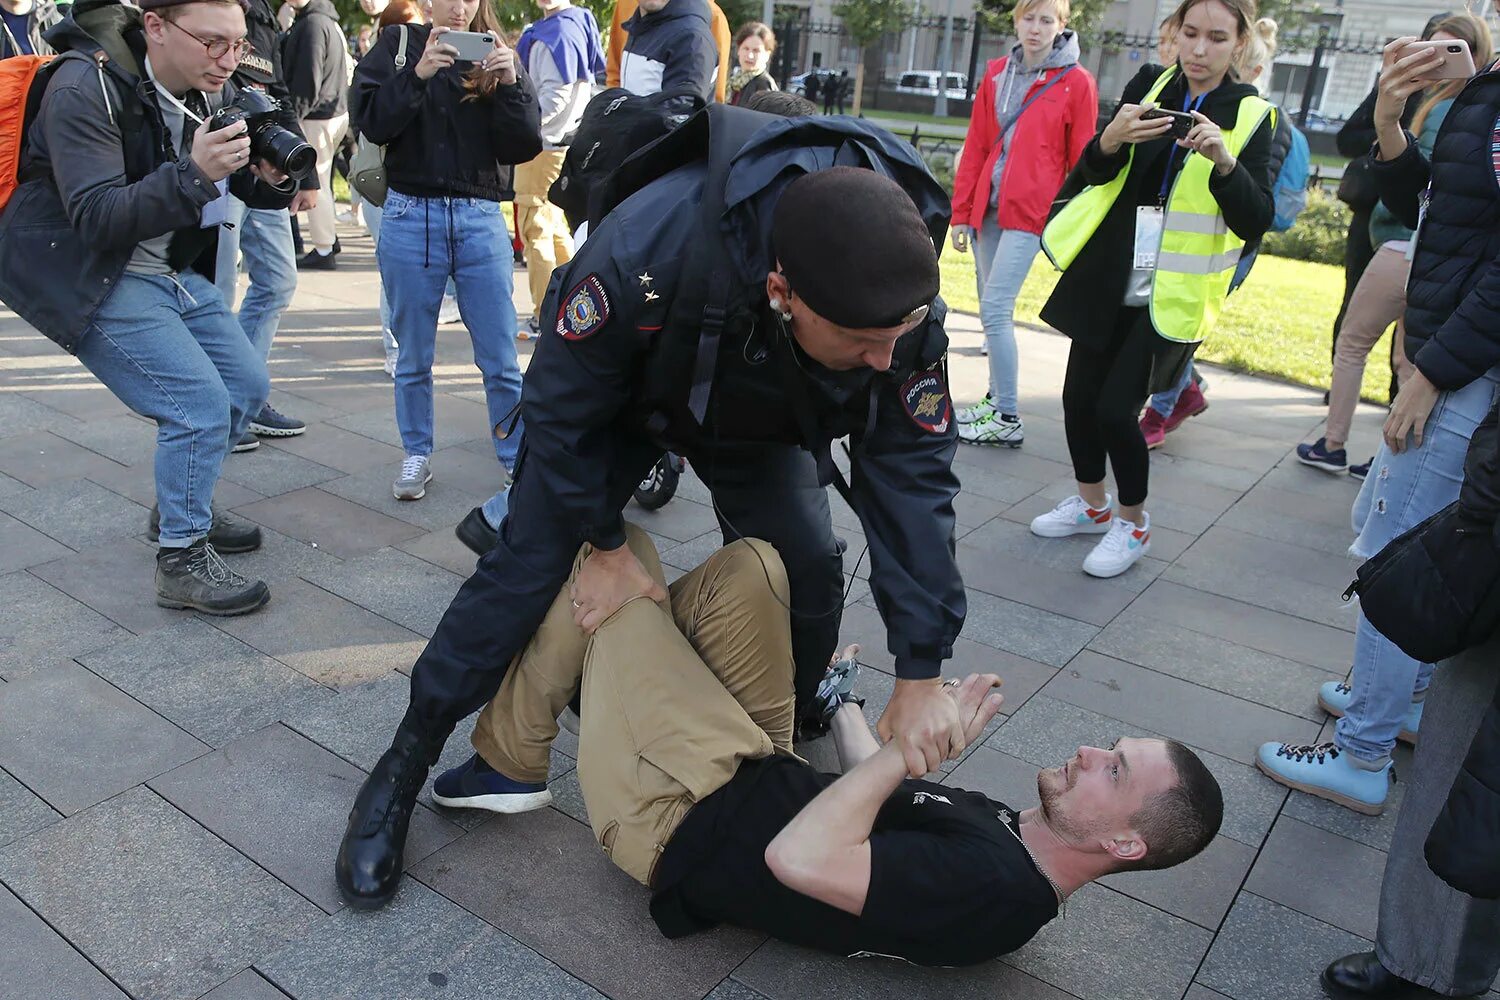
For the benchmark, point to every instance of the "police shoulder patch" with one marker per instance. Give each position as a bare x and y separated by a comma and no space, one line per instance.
584,310
925,398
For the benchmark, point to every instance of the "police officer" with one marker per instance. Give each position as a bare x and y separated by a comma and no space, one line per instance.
747,309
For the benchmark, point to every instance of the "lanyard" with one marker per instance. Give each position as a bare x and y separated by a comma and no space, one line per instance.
164,92
1188,104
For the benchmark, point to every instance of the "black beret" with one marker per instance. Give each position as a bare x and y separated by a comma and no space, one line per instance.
854,247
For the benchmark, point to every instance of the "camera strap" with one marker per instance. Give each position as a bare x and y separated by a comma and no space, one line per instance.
216,212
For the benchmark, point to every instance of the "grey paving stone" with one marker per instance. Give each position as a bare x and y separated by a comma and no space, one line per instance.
21,812
443,549
40,625
455,420
681,520
335,448
1269,952
567,795
209,683
475,473
39,457
1279,526
1013,553
272,472
127,440
162,906
78,513
1195,715
116,578
1283,635
782,970
245,986
1138,637
325,637
691,554
452,954
358,722
1150,954
1200,890
1068,592
37,964
1047,732
1197,992
85,400
1035,634
1320,874
19,414
336,525
138,483
290,804
10,487
1372,831
280,558
76,741
542,879
999,775
394,585
1002,482
731,989
443,507
22,545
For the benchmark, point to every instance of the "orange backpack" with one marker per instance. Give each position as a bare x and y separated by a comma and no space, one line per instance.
16,77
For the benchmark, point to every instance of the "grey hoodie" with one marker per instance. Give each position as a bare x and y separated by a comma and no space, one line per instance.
1014,83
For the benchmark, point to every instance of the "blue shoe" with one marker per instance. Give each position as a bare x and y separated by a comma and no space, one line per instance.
1334,698
1324,770
1318,456
476,785
1361,471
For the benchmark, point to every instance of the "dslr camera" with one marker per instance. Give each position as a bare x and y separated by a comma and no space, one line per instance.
270,140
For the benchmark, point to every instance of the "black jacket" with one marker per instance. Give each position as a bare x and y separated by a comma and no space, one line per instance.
1357,134
1090,293
672,49
313,57
1453,293
99,176
436,142
261,68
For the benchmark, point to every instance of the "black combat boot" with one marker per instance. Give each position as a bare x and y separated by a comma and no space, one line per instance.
370,858
1361,975
227,533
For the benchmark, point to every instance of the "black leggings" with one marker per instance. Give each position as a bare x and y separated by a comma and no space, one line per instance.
1103,393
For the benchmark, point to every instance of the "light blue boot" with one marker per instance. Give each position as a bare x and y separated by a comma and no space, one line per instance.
1334,698
1324,770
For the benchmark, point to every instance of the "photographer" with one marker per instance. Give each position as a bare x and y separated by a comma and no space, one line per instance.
107,245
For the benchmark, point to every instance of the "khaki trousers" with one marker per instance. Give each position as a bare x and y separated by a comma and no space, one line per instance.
541,225
1378,301
674,696
324,135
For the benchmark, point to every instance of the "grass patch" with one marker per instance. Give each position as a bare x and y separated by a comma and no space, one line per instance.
1277,324
917,118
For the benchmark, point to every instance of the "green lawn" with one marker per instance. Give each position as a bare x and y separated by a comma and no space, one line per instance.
1277,324
916,118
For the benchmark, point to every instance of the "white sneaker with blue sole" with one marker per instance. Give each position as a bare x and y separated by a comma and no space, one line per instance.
1334,698
1325,770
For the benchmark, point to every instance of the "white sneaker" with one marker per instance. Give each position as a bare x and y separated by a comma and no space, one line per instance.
979,411
448,311
994,430
1119,549
1074,517
411,484
390,364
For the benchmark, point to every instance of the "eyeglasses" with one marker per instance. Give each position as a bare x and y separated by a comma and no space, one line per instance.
216,47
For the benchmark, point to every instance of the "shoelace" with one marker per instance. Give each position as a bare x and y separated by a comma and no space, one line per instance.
411,466
207,563
1343,689
1118,535
1308,751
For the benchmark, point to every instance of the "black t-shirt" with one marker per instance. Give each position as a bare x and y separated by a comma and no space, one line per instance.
950,882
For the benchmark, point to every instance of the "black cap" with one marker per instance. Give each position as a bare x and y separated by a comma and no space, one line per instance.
854,248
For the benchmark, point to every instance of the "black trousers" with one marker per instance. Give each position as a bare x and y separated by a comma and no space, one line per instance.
1104,389
762,491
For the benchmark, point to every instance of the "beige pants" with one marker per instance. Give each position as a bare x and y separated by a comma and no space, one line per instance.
542,226
674,697
324,135
1378,301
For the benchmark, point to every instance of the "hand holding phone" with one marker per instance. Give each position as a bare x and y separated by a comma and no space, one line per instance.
1453,59
471,46
1182,121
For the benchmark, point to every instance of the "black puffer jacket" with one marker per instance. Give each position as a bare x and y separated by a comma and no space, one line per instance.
1453,294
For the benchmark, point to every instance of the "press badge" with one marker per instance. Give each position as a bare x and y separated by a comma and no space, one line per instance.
1149,223
216,211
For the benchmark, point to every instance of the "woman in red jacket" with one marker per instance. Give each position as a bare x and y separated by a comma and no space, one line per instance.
1033,114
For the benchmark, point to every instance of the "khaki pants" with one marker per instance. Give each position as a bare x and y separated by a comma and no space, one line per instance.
324,135
1378,301
674,697
542,226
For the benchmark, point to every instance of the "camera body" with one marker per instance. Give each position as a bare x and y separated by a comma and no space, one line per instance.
270,140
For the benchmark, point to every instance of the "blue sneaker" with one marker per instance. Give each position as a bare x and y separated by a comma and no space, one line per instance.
1318,456
1361,471
476,785
1334,698
1324,770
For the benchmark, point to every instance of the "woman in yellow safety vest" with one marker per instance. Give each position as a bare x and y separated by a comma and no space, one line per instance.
1147,251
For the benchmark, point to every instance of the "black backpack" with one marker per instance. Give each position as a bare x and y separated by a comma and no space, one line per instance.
615,124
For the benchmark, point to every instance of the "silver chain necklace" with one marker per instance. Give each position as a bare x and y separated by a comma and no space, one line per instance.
1062,900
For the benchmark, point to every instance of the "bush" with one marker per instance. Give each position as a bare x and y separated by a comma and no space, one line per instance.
1318,234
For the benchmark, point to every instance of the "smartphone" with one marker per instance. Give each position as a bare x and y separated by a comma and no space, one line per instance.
1182,122
472,46
1458,62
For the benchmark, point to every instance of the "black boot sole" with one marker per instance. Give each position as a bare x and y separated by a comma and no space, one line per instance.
255,603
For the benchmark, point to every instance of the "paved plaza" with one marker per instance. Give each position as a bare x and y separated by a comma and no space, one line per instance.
174,786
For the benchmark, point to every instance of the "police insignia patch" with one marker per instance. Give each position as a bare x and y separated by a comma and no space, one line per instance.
925,397
585,309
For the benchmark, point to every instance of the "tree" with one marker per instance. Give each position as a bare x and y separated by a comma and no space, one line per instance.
866,21
1086,14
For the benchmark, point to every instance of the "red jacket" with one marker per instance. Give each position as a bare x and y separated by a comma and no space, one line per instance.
1049,138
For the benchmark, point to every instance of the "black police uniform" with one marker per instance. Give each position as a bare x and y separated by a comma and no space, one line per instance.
762,446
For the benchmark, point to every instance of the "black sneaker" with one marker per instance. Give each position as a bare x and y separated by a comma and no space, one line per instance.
1361,471
314,261
198,578
247,442
1318,456
337,246
475,532
273,423
228,535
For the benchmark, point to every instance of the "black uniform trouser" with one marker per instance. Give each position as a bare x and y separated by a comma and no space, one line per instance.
764,491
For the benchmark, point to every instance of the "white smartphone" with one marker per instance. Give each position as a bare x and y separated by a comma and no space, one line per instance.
1458,62
472,46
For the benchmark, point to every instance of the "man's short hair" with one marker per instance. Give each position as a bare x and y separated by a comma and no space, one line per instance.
1179,823
780,102
168,8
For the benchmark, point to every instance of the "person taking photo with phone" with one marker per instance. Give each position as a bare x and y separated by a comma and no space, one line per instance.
452,129
1147,252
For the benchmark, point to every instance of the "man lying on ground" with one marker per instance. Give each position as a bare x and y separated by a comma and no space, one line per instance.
692,787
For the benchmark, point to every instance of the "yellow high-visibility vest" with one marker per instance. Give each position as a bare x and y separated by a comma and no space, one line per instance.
1199,252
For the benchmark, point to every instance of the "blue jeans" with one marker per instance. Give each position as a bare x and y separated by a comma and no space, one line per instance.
169,349
1400,492
1003,259
373,214
264,237
1165,402
424,241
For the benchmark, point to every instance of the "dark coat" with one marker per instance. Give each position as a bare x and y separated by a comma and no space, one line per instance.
313,55
262,69
1453,293
757,84
99,176
1089,295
